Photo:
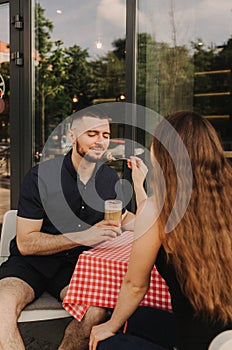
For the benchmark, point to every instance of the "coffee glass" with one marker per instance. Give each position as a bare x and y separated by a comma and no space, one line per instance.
113,210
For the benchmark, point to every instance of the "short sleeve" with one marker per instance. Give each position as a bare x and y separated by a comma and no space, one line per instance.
29,205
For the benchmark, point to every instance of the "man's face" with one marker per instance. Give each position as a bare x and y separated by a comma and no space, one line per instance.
92,137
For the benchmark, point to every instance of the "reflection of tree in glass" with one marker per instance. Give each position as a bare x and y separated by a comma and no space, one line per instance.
165,76
161,84
60,74
213,86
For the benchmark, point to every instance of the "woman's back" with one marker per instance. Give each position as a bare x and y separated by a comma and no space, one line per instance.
199,243
193,333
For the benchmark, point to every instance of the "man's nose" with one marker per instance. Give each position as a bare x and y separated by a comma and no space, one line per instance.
100,139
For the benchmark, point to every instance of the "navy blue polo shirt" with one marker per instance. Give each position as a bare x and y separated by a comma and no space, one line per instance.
53,191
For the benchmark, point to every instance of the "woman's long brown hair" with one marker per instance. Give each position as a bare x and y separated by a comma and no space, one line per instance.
200,245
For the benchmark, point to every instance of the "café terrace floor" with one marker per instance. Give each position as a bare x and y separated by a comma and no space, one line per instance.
42,335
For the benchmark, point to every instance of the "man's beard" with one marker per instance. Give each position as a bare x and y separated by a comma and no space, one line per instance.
86,156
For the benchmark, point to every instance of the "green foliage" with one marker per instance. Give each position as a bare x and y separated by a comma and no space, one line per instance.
43,28
77,75
119,48
213,76
167,76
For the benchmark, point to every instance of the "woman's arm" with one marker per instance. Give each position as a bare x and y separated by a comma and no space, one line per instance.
135,283
139,172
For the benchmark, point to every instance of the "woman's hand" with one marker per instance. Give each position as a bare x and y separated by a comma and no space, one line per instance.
99,333
139,170
139,173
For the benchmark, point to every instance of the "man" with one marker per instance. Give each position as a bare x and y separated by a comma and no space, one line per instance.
60,214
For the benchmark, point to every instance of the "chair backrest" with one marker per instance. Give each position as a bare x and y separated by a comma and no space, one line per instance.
8,232
222,341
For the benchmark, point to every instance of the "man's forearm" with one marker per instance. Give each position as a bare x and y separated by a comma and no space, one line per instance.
39,243
34,242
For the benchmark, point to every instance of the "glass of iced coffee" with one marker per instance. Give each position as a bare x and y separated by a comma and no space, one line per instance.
113,210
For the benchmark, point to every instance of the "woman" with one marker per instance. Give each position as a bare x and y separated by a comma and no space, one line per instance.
191,240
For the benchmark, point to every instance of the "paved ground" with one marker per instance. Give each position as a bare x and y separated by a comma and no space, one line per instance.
43,335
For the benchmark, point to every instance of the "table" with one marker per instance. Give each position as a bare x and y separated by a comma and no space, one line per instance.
98,275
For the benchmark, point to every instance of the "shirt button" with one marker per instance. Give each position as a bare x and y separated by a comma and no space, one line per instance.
79,225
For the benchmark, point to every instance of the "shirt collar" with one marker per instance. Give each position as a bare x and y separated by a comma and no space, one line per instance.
69,165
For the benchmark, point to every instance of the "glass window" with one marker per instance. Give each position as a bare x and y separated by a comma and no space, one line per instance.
184,60
79,60
4,110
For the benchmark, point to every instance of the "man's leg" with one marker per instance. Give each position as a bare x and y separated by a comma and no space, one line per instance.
76,336
15,294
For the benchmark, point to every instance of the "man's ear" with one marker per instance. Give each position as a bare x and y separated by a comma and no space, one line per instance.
71,136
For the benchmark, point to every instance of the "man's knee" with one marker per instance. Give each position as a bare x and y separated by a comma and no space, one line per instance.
63,292
15,294
96,314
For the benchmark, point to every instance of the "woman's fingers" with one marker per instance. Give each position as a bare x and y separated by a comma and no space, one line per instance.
99,333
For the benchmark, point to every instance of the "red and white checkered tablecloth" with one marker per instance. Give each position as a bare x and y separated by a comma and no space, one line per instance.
98,275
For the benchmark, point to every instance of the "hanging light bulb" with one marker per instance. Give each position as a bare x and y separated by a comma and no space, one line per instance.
75,99
99,44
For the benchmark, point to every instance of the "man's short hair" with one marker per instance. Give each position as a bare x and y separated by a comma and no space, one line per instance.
92,111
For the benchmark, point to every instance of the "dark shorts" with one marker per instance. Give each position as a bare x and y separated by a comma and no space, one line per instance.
41,272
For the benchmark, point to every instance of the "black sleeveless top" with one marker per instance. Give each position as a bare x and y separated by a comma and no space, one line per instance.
193,332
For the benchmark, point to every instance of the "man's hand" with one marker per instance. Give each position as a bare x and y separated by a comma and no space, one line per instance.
104,230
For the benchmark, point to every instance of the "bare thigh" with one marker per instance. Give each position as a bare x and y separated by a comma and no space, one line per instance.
15,294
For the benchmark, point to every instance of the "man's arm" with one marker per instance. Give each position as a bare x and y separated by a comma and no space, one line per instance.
31,241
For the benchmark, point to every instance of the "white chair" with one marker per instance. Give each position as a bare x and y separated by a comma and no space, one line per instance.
44,308
222,341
